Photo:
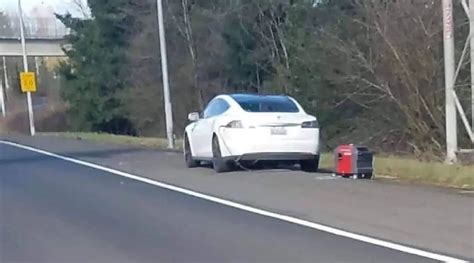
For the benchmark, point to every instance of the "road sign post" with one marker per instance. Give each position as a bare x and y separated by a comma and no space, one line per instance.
25,66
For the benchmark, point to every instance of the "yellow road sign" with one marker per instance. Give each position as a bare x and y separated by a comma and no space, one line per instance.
28,81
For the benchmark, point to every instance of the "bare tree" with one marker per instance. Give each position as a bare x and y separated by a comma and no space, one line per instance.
82,8
185,28
396,66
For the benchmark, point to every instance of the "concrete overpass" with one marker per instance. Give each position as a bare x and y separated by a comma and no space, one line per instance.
44,38
35,46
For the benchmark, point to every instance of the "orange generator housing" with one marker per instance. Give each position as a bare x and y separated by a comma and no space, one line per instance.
354,161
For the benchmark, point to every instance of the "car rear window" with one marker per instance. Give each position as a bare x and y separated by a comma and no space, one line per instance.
253,103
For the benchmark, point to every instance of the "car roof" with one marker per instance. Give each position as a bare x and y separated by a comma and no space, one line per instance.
254,96
235,97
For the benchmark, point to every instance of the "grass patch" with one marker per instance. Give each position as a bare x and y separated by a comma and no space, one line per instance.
407,170
397,169
157,143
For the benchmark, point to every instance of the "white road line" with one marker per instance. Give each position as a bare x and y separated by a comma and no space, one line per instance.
251,209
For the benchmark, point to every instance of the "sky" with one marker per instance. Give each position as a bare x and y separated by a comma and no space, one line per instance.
59,6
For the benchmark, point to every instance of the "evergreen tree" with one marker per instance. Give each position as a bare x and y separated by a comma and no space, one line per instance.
96,69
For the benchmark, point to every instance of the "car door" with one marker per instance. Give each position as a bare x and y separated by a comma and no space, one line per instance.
202,130
202,133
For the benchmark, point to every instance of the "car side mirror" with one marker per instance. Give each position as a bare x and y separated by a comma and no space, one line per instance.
193,116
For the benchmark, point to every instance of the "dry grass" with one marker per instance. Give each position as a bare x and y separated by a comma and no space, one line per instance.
412,171
398,169
158,143
49,119
3,126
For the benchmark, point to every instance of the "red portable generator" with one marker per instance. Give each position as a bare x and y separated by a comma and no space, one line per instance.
354,161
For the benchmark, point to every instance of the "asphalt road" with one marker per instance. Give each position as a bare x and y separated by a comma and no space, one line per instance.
55,211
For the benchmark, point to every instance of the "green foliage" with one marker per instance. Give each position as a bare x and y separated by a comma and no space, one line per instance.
96,69
370,70
245,68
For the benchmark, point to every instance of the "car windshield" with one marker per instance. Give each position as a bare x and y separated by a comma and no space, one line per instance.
254,103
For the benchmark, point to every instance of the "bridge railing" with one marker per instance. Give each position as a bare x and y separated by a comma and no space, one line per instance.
35,28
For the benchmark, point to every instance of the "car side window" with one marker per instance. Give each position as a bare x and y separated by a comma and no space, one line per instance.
209,109
215,108
221,106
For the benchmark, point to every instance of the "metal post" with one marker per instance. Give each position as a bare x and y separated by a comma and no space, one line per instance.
164,68
25,66
2,100
449,68
471,24
463,117
37,67
5,74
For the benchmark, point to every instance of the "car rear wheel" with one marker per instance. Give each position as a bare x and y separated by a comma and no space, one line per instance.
311,165
220,164
188,156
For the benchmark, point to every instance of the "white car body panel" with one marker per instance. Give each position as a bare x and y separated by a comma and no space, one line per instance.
201,137
256,136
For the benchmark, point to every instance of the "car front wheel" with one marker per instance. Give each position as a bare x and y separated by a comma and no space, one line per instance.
188,156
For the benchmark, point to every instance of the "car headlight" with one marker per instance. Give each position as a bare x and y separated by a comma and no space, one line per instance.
235,125
310,124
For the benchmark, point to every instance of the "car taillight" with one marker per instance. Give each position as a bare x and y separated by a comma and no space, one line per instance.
235,125
310,124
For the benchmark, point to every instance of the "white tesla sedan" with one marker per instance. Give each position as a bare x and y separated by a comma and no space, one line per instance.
244,127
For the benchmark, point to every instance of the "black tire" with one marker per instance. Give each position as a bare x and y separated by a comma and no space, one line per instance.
311,165
188,156
368,176
220,165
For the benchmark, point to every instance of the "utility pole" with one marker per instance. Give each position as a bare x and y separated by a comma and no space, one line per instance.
164,68
471,35
25,66
449,69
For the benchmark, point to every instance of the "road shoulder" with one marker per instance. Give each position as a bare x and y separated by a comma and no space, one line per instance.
429,218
